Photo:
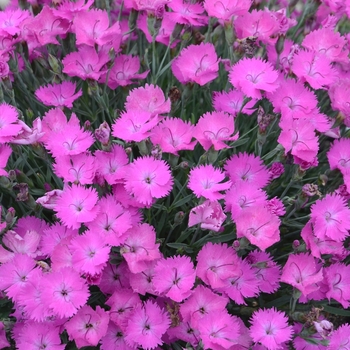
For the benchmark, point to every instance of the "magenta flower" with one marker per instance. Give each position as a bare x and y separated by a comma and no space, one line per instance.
215,263
213,128
110,164
88,326
5,152
270,328
262,24
9,127
209,215
339,155
330,217
89,253
252,76
140,247
122,303
77,205
314,68
242,196
123,72
14,274
65,292
92,28
11,20
71,140
259,226
339,94
134,125
340,338
35,335
148,98
247,168
266,271
112,222
329,43
78,169
44,27
206,181
146,326
299,138
226,9
114,339
197,64
58,95
219,330
302,271
187,13
231,102
86,63
174,277
173,135
337,278
148,178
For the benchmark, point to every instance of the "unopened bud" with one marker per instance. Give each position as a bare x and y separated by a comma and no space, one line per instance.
179,216
103,133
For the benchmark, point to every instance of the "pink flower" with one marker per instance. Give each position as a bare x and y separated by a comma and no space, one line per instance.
92,28
71,140
187,13
134,125
337,278
174,277
58,95
140,247
339,94
123,72
340,338
314,68
89,253
44,27
88,326
226,9
270,328
149,5
205,181
146,326
327,42
197,64
241,284
231,102
112,222
39,336
339,155
173,135
213,128
14,274
299,138
209,215
86,63
242,196
302,271
247,168
27,135
262,24
109,165
49,200
65,292
142,282
11,20
253,75
122,303
9,127
114,339
259,226
215,263
330,217
5,152
201,303
219,330
266,271
77,205
79,169
149,98
148,178
114,277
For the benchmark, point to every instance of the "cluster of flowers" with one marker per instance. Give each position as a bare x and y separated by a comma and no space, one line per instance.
100,240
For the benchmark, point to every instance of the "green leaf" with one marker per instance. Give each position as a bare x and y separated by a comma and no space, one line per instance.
182,201
336,311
